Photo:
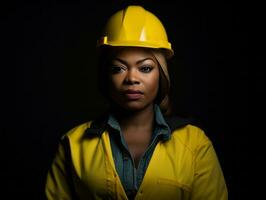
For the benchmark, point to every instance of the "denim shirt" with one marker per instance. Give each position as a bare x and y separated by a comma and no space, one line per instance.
131,177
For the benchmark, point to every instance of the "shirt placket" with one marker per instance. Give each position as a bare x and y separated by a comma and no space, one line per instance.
129,174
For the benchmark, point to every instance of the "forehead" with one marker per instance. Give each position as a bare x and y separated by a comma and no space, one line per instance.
132,53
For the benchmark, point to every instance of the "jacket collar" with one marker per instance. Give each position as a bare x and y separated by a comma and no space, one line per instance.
100,124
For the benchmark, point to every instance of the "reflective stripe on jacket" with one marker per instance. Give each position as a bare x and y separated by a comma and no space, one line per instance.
182,168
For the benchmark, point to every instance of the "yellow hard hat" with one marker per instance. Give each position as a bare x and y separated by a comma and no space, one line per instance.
137,27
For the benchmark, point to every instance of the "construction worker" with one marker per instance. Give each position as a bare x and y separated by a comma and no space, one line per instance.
134,151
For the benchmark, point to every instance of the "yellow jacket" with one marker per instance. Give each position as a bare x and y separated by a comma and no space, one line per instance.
182,168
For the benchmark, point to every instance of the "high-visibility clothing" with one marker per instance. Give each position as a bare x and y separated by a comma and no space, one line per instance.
182,168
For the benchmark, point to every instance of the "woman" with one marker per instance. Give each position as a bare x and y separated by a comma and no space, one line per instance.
133,151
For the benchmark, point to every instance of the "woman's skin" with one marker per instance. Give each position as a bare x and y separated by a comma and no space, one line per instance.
134,83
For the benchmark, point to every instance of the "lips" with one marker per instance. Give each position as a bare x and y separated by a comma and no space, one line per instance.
133,94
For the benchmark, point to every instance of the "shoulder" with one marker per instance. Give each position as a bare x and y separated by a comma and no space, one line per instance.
88,129
192,133
191,137
78,131
187,133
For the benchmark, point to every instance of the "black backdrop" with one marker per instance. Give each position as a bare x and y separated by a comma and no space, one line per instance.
49,82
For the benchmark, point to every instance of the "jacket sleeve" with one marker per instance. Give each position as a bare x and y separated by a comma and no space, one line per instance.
58,182
209,182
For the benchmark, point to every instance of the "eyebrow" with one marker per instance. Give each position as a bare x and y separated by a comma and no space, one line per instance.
139,61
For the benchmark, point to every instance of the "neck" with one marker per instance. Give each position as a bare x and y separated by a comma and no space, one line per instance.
137,119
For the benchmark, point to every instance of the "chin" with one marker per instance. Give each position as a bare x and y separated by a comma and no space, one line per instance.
134,106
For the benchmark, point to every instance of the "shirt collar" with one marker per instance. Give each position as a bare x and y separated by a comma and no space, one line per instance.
164,129
166,125
161,127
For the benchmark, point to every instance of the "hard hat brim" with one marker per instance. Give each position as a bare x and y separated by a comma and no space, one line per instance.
166,47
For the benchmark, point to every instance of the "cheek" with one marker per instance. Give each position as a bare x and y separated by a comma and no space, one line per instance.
114,82
113,85
154,85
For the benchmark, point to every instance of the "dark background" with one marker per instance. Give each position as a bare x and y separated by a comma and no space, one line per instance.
48,82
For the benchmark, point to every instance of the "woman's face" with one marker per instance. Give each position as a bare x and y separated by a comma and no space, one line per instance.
134,78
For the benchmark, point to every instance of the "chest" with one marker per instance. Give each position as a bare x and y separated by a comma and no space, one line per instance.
137,144
169,171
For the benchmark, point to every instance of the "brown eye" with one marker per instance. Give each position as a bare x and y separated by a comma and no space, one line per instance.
146,69
115,69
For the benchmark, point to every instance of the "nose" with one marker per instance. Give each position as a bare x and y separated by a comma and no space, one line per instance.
131,77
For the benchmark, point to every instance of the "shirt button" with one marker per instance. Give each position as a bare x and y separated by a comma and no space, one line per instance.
125,158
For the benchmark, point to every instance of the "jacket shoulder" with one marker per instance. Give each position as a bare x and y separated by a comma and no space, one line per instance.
78,131
88,129
191,137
